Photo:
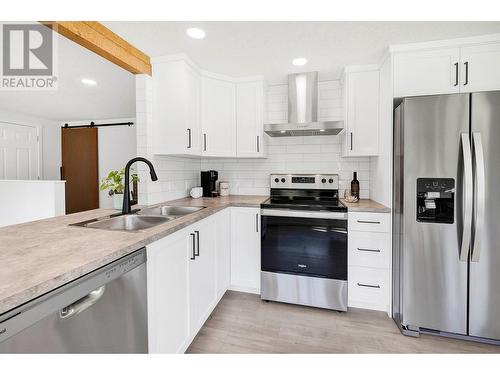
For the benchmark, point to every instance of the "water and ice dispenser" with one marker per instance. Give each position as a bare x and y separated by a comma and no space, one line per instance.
435,200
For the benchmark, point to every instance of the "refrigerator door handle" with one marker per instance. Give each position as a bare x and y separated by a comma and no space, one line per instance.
480,195
468,186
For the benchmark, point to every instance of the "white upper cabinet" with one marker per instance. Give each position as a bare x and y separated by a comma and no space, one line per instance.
198,113
447,67
480,67
361,100
426,72
250,119
218,113
176,108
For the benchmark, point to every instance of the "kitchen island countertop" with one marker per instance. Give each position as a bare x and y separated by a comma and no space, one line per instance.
39,256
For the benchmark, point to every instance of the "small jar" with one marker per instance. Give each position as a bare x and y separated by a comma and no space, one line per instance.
224,188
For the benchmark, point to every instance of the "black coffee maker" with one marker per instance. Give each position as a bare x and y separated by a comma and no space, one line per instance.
208,182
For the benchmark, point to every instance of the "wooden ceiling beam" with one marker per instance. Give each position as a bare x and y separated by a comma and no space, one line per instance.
99,39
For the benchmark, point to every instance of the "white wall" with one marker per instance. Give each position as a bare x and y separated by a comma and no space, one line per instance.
381,166
49,143
316,154
176,176
24,201
116,146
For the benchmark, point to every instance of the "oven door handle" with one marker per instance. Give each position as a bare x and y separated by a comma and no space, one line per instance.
304,214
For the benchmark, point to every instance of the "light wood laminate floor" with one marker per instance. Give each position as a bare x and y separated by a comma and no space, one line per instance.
242,323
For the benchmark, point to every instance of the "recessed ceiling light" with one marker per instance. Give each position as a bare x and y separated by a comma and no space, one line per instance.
283,131
195,33
321,130
89,81
299,61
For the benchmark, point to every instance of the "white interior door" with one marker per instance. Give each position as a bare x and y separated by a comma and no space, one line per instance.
19,152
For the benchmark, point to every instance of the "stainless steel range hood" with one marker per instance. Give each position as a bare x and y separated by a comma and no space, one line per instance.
303,110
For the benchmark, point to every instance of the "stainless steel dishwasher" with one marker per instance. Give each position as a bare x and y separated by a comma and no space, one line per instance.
104,311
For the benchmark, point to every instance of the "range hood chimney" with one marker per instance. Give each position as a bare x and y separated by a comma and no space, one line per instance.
303,110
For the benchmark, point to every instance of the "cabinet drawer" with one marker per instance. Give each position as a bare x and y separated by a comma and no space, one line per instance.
368,288
369,222
369,249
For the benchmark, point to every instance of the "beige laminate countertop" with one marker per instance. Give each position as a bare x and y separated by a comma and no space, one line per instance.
39,256
365,205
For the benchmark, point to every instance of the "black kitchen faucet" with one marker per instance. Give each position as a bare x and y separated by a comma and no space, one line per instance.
126,193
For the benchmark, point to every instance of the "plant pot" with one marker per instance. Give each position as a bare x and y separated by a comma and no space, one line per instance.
118,201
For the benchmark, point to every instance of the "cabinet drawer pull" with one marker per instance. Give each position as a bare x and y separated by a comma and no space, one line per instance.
194,246
257,223
369,286
189,138
368,222
351,141
197,253
204,141
369,250
456,74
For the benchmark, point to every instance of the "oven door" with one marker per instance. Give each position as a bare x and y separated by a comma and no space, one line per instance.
307,243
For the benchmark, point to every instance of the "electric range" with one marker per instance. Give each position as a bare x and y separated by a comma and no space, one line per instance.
304,242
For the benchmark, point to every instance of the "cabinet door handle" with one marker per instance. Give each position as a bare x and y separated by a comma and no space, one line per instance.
197,253
258,144
257,223
369,286
204,141
369,250
466,73
368,222
351,141
189,138
193,256
456,74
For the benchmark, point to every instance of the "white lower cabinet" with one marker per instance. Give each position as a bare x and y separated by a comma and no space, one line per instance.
168,294
183,283
202,277
188,273
223,251
245,249
369,260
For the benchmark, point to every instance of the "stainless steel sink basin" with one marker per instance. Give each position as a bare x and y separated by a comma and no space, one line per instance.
170,211
127,222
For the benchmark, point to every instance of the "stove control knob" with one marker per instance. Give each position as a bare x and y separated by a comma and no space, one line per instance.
323,180
330,180
276,180
283,180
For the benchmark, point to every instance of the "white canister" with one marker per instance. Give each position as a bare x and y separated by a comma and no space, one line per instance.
224,188
196,192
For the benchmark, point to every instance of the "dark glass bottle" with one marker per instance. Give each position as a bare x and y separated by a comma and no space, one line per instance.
355,186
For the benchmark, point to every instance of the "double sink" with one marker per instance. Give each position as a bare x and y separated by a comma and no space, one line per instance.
143,219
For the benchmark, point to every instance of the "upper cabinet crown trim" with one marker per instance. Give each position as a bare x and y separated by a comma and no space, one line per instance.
205,73
458,42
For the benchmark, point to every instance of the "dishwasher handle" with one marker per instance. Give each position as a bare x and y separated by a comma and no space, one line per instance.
82,304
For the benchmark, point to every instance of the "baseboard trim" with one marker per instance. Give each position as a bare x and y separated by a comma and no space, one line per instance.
244,289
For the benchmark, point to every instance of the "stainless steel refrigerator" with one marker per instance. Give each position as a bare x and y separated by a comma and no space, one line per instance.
446,224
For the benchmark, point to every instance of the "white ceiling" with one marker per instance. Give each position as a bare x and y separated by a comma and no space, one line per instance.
112,97
250,48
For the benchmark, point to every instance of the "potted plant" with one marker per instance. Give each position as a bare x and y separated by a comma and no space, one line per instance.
114,183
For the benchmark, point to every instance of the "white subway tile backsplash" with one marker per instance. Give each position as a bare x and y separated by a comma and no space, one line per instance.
319,154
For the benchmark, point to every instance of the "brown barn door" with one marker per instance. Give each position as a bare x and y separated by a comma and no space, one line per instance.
80,168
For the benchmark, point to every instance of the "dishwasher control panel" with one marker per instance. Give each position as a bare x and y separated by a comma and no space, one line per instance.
125,266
